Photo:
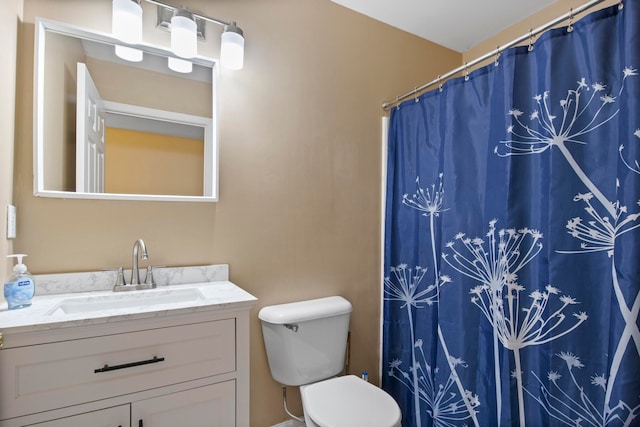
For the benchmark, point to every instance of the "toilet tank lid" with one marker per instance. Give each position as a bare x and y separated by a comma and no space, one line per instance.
305,310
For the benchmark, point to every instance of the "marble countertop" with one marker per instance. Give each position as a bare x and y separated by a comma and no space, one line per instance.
60,310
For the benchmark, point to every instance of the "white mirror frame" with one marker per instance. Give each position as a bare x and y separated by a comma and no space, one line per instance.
210,187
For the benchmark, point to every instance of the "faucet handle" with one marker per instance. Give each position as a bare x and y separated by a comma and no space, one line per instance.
120,282
120,277
148,280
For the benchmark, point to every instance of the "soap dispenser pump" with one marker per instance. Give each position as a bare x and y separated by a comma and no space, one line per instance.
20,288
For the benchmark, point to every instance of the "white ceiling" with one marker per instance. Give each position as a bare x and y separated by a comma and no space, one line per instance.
456,24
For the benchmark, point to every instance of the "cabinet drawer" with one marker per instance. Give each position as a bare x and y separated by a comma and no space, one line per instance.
48,376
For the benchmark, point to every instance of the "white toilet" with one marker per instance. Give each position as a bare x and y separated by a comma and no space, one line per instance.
306,344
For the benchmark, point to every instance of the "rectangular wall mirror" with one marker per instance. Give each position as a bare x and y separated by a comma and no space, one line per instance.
108,128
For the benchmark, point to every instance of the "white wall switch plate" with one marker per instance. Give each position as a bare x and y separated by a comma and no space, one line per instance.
11,222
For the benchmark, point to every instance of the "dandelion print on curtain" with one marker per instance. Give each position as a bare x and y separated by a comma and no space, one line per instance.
512,246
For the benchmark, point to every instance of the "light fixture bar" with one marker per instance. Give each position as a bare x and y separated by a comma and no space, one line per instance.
163,21
196,15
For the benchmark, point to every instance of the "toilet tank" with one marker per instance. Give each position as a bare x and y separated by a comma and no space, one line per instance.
306,340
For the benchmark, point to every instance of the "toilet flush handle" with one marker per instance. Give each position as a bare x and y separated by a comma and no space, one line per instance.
291,326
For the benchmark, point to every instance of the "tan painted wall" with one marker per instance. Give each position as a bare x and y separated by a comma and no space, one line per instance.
299,213
10,11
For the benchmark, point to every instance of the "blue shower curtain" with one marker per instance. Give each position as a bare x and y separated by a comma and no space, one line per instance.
512,242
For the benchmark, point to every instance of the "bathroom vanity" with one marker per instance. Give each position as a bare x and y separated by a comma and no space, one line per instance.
173,356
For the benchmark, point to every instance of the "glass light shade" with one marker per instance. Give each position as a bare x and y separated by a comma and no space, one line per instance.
184,36
232,50
180,65
126,21
129,53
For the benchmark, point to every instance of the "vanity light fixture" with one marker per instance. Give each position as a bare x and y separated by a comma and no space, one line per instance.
126,25
186,24
185,29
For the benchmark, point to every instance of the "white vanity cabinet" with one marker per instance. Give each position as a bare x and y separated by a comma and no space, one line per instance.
185,368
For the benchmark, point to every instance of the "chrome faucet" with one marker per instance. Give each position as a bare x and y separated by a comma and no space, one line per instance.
135,272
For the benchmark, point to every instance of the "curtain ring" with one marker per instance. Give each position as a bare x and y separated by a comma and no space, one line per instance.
570,26
440,82
397,103
620,5
466,72
496,61
415,91
530,48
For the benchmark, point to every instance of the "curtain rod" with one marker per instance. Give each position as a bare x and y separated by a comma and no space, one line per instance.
569,15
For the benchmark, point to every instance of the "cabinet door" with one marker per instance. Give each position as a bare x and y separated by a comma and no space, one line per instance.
110,417
208,406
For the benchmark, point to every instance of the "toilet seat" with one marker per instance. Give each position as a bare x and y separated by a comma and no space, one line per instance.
349,401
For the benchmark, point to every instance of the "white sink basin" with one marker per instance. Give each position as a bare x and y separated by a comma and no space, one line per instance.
123,300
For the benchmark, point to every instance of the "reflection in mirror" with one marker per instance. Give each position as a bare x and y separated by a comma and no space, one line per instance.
109,128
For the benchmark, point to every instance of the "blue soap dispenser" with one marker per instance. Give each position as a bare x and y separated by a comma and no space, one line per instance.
20,287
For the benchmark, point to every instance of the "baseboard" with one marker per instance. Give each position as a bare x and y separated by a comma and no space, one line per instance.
289,423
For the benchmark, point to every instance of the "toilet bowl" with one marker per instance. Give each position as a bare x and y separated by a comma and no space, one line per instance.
348,401
306,344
